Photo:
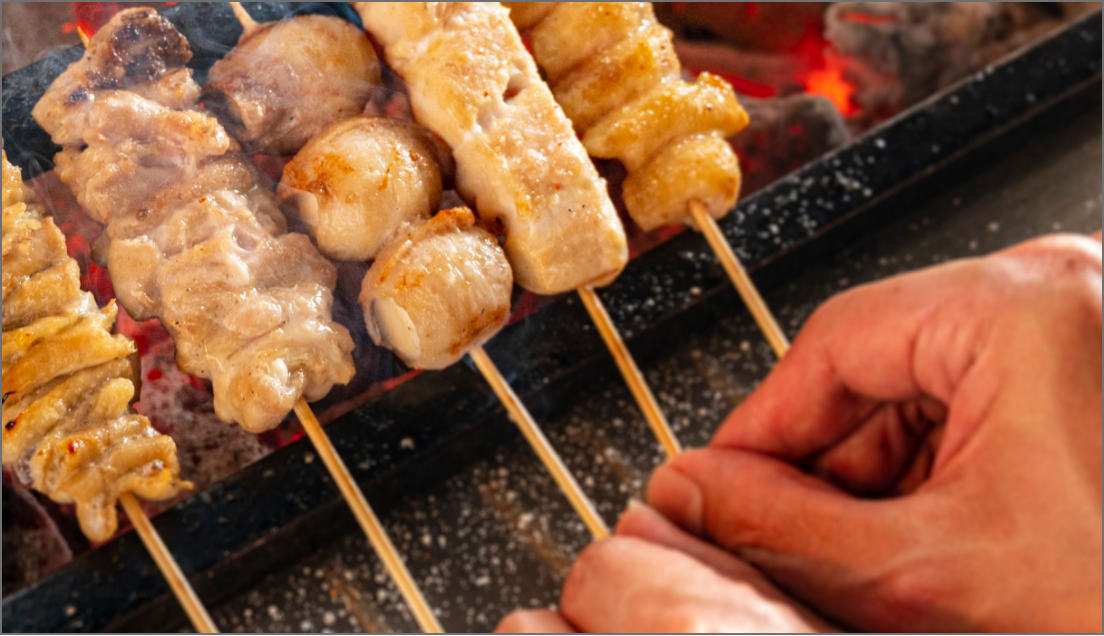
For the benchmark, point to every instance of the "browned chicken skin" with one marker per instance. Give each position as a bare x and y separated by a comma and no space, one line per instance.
69,431
615,73
286,81
194,239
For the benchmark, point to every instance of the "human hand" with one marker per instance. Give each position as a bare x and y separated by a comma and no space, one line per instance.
654,578
928,455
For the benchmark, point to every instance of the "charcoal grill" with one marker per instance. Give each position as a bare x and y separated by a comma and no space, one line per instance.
426,429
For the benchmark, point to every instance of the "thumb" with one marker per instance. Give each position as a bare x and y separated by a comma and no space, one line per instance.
814,539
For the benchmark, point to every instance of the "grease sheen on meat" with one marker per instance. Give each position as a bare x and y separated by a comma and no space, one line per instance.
286,81
517,158
195,240
436,293
362,183
69,431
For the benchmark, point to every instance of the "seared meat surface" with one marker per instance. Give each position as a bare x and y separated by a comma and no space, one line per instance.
518,160
362,183
616,75
287,81
69,431
195,240
439,291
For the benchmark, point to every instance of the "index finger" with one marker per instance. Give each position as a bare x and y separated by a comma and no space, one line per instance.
870,345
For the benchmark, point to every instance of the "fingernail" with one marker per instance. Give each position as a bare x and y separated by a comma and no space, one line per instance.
678,498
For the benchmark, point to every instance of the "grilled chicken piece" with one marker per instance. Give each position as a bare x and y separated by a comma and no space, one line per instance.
69,431
194,239
670,111
517,158
526,14
286,81
616,75
362,183
438,292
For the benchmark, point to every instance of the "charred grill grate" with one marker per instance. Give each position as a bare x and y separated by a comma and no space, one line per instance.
452,416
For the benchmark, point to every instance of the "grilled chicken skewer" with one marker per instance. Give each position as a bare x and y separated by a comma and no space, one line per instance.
69,429
440,288
197,242
614,70
517,158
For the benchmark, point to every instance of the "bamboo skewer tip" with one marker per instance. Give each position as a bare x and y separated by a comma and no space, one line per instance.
540,444
645,399
369,522
179,584
739,276
248,24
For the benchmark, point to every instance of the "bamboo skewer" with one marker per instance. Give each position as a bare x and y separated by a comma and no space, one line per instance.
248,24
744,285
633,377
193,607
368,520
548,456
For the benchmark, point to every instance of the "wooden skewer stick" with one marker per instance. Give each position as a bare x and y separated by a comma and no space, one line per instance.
520,415
633,377
83,36
248,24
755,303
193,607
377,536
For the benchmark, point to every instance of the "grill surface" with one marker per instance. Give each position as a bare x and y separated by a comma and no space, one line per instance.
426,431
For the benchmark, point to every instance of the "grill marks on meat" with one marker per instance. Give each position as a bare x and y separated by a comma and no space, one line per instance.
286,81
517,158
615,73
68,429
194,239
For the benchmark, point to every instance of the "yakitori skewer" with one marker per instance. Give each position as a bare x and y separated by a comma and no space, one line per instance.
248,306
614,70
69,431
440,285
495,112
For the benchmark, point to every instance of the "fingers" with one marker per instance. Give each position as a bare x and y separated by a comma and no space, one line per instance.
872,460
624,584
534,622
856,352
812,538
643,522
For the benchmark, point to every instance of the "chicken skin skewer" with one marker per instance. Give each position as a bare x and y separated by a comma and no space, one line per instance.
614,70
195,240
69,429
